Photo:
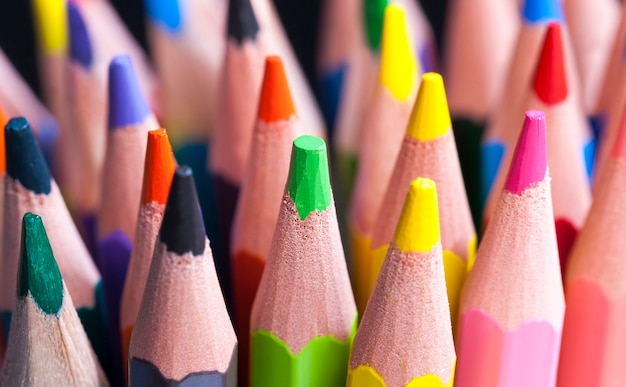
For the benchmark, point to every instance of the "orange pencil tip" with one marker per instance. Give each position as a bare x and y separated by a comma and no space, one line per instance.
275,103
159,168
619,146
3,162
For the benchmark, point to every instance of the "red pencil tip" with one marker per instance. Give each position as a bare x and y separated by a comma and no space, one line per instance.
276,103
3,121
529,162
550,78
159,168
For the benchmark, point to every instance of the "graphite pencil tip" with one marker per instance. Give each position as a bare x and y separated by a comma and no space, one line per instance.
242,23
24,159
430,117
418,226
398,67
182,230
309,181
127,104
159,167
542,11
530,159
80,43
550,83
38,273
275,102
373,13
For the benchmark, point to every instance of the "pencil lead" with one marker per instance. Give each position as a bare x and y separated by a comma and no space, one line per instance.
398,67
182,230
38,271
80,42
373,14
275,102
242,23
160,165
418,226
51,24
430,117
542,11
551,79
309,182
24,159
166,13
530,159
127,104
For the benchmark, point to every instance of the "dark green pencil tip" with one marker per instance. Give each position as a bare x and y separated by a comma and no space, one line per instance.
38,270
309,182
373,14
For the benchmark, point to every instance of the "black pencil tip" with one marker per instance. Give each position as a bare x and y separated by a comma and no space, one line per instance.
24,159
182,230
242,23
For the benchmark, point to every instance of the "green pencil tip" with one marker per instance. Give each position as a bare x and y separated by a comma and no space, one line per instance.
38,270
309,181
373,14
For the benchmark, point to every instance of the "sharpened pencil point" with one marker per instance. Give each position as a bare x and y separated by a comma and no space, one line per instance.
430,117
309,181
182,230
242,23
530,159
127,104
418,226
24,159
51,25
275,102
398,67
38,271
80,42
373,13
159,167
542,11
551,79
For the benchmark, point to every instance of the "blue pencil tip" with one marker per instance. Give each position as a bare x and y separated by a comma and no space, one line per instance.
127,105
165,13
24,159
80,43
542,11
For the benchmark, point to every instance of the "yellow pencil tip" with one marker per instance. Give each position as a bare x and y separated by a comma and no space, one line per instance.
418,226
50,18
430,117
398,67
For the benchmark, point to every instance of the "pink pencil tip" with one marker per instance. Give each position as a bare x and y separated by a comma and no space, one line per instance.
530,159
619,147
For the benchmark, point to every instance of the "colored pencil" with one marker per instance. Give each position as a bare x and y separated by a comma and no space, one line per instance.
183,335
337,40
506,118
47,345
109,36
18,100
238,101
480,39
187,42
304,317
568,132
129,121
428,150
157,177
30,188
592,26
87,88
384,125
51,27
591,349
261,193
407,316
612,99
512,305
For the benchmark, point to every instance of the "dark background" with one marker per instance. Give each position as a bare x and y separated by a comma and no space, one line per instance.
300,19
